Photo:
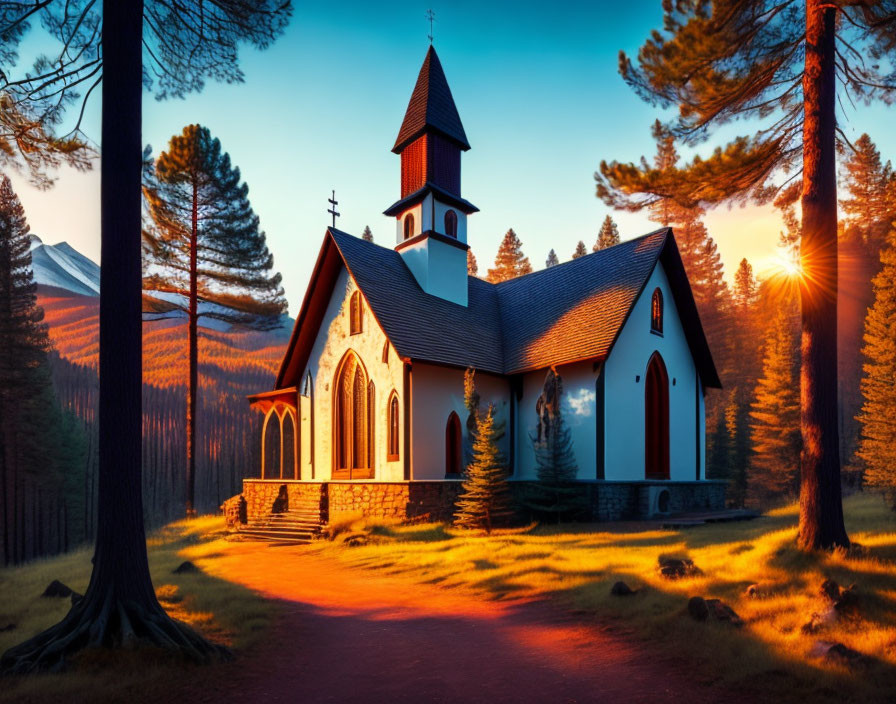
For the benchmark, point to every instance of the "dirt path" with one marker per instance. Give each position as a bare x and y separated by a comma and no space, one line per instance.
351,635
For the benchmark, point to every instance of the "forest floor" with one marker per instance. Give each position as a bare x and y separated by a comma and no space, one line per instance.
387,613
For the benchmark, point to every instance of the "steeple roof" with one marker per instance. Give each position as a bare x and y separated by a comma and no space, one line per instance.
431,106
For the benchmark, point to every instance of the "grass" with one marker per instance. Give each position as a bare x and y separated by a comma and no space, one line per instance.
222,611
575,566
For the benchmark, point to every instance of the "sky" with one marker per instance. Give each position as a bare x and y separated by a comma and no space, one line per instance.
537,90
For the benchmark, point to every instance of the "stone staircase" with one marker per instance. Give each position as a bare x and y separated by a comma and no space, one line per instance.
298,525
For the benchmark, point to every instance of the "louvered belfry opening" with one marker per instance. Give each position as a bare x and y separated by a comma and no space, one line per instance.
656,422
352,427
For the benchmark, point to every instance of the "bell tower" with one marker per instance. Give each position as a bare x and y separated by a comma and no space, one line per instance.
431,216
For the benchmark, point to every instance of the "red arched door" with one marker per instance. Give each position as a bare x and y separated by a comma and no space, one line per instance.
453,446
656,419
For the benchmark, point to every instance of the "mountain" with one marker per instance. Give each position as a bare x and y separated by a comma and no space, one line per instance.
63,267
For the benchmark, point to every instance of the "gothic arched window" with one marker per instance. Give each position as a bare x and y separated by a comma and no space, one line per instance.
356,313
393,428
408,226
451,223
288,439
656,312
352,421
271,446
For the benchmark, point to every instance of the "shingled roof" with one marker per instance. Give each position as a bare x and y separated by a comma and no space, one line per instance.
566,313
431,106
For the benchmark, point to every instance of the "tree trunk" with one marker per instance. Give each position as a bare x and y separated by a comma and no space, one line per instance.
193,386
120,607
821,510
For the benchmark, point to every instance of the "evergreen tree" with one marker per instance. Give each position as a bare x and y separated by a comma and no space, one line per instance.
870,209
510,261
554,494
774,470
367,235
552,260
472,265
608,235
205,245
745,287
779,63
485,497
580,250
877,446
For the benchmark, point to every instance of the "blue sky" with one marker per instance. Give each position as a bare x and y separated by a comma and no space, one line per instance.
538,92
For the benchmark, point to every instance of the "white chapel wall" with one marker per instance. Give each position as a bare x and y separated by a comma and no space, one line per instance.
436,392
624,409
331,344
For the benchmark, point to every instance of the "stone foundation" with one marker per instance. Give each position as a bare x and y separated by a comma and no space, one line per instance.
435,500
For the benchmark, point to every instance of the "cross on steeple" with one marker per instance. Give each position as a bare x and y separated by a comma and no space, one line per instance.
332,211
431,16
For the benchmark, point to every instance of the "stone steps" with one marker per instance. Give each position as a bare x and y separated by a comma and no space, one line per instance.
297,526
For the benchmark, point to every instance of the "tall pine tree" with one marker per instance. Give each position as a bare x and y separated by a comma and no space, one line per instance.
510,261
206,247
580,250
552,260
869,208
472,264
877,446
367,235
608,235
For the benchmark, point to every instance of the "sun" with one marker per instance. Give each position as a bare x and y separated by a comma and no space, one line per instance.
789,266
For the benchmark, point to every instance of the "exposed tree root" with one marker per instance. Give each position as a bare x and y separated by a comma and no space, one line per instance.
107,622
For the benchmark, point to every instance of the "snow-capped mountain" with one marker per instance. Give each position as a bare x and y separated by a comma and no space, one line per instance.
62,266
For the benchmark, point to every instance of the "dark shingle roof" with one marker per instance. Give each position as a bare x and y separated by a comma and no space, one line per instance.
566,313
432,106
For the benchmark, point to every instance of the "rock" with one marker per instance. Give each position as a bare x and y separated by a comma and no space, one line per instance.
57,589
697,608
621,589
676,568
722,612
185,568
830,590
839,654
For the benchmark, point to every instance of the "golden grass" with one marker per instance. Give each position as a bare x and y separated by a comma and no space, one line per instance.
575,567
222,611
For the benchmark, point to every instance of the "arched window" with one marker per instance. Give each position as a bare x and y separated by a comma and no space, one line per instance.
270,446
371,424
386,352
288,469
453,466
351,427
656,312
656,419
451,223
356,313
393,429
408,226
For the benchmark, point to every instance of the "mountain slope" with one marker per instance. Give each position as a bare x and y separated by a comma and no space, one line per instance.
62,266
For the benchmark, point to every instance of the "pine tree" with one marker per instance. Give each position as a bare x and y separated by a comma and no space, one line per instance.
367,235
554,494
552,260
205,245
745,287
472,265
608,235
870,209
485,496
581,251
776,440
877,446
510,261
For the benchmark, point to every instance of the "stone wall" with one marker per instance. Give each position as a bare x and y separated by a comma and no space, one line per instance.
436,500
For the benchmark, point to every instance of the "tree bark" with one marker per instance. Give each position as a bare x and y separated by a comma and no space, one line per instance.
120,606
193,386
821,510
